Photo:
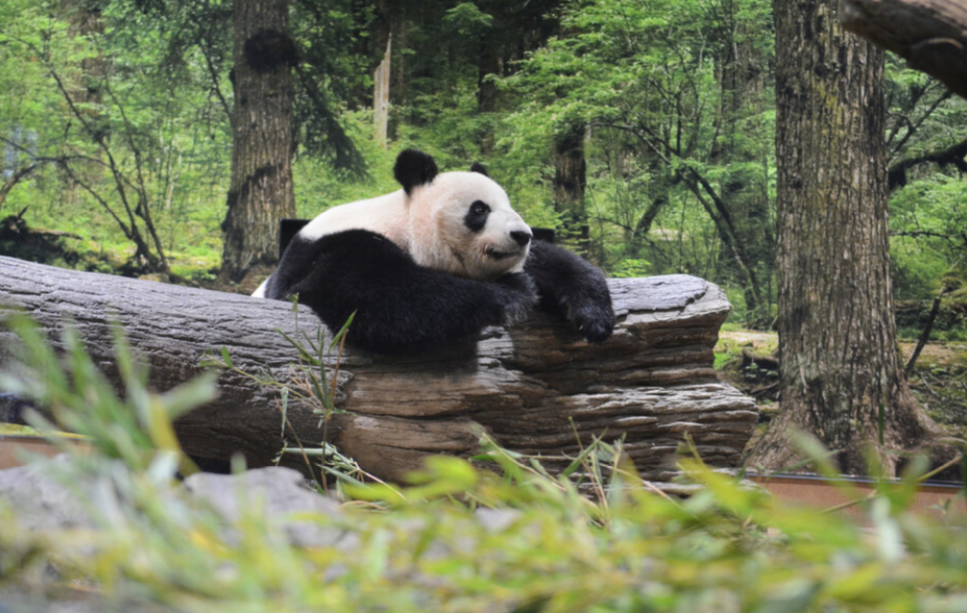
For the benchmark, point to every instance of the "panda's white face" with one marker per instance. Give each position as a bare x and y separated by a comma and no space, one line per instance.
462,222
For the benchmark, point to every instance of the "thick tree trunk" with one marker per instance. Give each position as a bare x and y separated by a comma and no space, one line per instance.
261,191
537,388
570,172
840,375
488,65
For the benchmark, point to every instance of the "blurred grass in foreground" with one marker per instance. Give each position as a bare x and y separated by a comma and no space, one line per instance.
626,547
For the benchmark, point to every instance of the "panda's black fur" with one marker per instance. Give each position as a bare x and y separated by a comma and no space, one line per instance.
401,305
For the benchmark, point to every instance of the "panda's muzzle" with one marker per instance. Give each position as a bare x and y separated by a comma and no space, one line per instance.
500,255
521,237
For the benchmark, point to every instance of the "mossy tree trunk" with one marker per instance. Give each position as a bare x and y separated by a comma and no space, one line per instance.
840,373
261,191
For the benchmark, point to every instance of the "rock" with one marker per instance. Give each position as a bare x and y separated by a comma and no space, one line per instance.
40,501
279,493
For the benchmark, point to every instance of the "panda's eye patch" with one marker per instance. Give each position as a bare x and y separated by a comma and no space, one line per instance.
476,217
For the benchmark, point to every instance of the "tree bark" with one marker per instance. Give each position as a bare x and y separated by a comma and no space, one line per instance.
840,373
536,388
930,34
261,191
570,182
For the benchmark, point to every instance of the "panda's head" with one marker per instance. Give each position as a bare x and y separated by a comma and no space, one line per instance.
461,222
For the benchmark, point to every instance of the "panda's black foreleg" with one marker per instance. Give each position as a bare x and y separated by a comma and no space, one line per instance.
399,305
13,408
296,263
570,285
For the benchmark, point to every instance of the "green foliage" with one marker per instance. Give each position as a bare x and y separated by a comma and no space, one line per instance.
928,212
674,122
463,538
131,141
630,268
721,359
466,19
927,222
320,186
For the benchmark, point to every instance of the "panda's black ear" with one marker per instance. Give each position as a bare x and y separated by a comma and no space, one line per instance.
414,168
478,167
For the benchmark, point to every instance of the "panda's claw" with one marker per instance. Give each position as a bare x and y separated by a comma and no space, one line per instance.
594,322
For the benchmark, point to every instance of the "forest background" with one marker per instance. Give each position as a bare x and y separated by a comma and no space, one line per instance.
644,132
650,123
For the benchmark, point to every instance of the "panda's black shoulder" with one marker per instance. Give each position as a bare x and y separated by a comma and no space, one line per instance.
309,262
359,250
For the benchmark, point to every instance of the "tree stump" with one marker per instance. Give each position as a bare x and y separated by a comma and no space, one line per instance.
537,388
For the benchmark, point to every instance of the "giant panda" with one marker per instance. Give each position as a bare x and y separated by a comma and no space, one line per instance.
434,263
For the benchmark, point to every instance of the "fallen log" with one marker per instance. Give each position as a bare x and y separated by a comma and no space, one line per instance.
537,388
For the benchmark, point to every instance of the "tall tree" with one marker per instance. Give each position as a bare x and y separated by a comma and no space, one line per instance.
840,375
261,191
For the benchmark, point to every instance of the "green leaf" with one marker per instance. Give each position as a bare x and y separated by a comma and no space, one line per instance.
227,358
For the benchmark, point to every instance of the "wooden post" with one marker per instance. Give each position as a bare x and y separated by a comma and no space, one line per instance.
381,94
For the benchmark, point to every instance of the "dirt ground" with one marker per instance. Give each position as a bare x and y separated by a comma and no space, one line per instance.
939,381
941,354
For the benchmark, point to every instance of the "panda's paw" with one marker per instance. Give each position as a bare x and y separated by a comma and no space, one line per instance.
595,322
518,297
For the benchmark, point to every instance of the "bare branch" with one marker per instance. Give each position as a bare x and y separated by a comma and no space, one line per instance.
953,155
22,172
131,230
930,34
912,128
717,209
924,234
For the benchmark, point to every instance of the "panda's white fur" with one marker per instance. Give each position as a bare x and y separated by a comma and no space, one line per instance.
429,224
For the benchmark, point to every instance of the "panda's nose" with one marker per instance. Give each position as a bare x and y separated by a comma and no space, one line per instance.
520,237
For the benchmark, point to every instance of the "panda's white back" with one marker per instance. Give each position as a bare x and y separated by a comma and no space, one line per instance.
386,215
